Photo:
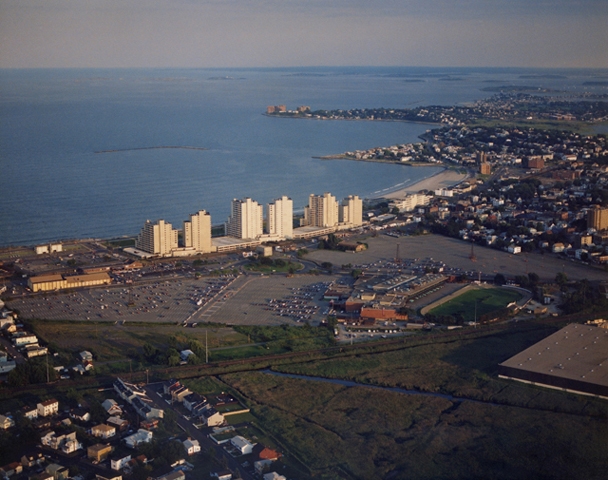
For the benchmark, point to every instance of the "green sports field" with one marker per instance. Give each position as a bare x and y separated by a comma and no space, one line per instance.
487,300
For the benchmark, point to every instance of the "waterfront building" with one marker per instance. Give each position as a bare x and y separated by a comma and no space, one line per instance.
322,211
410,202
598,218
351,211
157,238
197,232
51,248
280,217
246,219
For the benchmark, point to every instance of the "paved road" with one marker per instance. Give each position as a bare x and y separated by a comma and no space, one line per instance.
205,442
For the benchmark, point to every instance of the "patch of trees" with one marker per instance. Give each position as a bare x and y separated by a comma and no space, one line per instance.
583,297
33,371
264,333
330,243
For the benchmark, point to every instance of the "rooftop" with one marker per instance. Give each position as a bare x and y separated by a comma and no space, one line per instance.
574,355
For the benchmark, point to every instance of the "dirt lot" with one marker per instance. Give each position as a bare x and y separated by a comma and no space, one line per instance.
455,253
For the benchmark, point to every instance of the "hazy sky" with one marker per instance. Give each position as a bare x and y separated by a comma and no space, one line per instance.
276,33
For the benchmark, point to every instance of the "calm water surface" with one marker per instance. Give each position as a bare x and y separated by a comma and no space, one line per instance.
52,122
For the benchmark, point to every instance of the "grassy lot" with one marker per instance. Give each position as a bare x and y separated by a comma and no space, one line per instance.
119,342
472,304
461,367
512,430
362,433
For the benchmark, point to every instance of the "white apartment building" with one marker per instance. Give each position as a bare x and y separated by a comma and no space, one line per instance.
280,217
246,219
197,232
351,211
410,202
322,211
157,238
48,407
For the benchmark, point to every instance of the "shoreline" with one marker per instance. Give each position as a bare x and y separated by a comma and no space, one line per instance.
442,179
437,124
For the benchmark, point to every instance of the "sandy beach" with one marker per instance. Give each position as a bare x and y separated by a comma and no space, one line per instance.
445,178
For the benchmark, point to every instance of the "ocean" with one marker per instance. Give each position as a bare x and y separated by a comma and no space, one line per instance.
53,124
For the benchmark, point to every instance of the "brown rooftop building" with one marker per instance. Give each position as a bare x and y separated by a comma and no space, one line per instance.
574,359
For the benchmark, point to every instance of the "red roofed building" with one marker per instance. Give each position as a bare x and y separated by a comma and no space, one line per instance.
269,454
381,314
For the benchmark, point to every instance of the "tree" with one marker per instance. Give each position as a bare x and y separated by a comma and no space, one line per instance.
499,279
561,279
533,278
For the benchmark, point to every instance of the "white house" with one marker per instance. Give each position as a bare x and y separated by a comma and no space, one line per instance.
6,422
142,436
120,462
243,445
192,446
30,412
103,431
274,476
111,407
212,417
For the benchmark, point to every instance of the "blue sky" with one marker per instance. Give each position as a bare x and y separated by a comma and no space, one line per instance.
278,33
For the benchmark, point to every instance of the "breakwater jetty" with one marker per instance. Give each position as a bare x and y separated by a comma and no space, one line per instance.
182,147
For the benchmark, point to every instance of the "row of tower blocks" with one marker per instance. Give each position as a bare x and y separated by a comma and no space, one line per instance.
245,225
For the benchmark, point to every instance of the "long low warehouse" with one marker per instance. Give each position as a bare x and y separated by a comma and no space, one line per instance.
574,359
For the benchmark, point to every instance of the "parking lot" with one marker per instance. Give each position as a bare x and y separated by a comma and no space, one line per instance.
241,300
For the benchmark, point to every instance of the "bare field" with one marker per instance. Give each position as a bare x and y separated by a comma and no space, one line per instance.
455,253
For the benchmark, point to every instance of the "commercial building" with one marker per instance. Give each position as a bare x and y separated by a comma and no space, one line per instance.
197,232
598,218
351,211
157,238
280,218
45,283
246,219
571,359
322,211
